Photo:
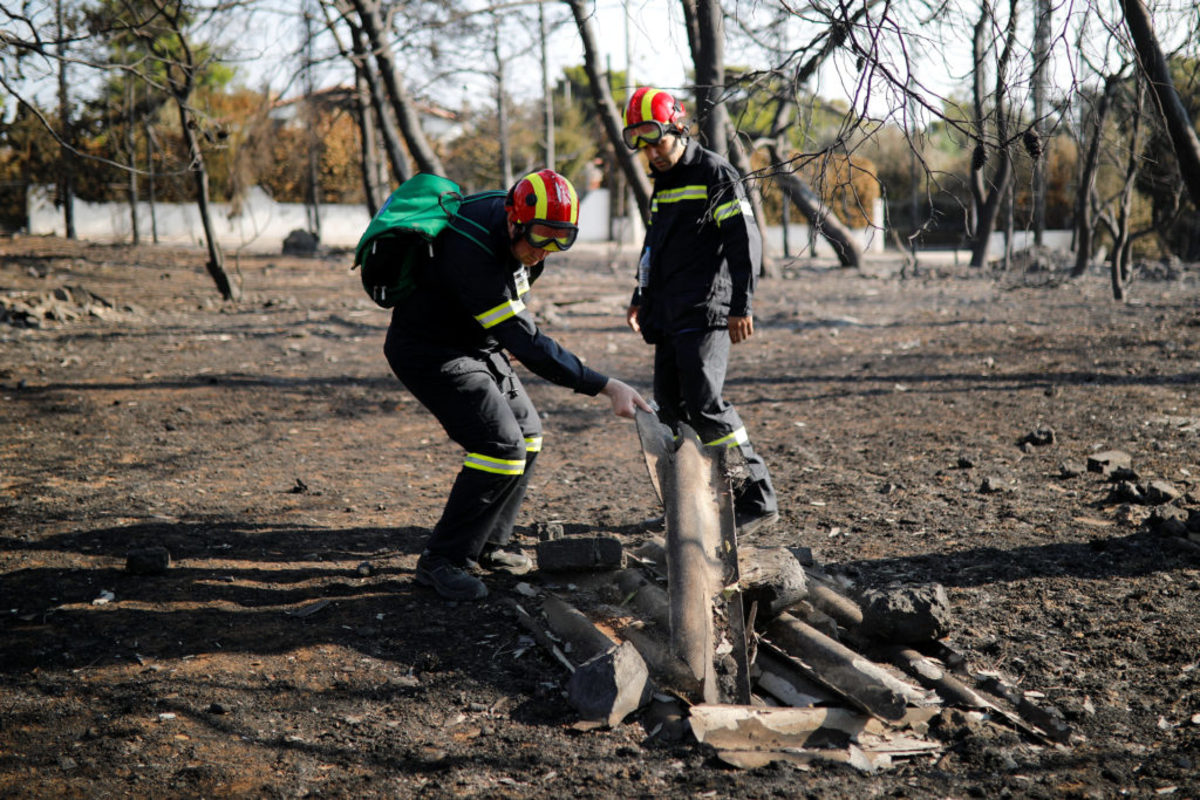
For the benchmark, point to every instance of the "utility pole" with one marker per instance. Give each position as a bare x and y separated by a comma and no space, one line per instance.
66,167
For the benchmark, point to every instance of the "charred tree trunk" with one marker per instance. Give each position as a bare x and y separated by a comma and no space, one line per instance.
369,108
1158,74
1041,45
708,56
67,166
506,169
181,80
1122,237
135,229
1085,221
822,220
179,59
988,196
741,161
397,93
606,109
368,136
393,142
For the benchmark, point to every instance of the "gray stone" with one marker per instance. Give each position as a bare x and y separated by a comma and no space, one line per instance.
1126,492
906,614
300,243
992,484
1108,460
1158,492
547,531
148,561
1071,469
1039,437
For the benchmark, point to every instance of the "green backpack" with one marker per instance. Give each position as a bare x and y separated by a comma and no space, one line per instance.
403,230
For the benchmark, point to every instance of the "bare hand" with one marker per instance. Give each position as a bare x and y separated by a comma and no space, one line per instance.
740,328
631,318
625,399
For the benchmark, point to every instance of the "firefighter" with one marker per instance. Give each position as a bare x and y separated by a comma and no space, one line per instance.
448,343
696,278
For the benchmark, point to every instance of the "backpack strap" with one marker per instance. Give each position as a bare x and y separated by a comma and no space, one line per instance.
476,233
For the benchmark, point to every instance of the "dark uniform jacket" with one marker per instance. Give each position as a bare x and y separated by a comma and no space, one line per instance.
702,251
472,302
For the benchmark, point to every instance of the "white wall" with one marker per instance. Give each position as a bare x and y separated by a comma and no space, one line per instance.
261,227
264,224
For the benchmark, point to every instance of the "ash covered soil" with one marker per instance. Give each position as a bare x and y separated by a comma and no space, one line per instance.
287,651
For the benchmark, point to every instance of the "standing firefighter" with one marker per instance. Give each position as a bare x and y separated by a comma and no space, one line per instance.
696,279
447,343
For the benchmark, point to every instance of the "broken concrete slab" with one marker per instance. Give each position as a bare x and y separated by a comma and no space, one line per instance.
739,727
610,686
779,676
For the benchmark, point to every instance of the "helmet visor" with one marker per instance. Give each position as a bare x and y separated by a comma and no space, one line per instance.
644,134
553,237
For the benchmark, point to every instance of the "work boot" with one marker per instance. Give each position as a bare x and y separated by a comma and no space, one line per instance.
750,522
497,559
448,579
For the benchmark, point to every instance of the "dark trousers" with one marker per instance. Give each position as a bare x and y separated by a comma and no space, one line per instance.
482,405
689,376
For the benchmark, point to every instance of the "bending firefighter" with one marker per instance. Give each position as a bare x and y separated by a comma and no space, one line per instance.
696,279
447,343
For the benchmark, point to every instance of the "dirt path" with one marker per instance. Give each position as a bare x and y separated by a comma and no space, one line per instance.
287,652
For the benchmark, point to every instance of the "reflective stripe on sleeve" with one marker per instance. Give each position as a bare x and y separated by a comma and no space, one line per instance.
494,316
732,440
533,444
497,466
693,192
731,209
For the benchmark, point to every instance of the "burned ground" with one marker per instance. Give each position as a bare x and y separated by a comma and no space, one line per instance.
287,652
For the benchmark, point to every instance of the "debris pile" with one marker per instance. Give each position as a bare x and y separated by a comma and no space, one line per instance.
28,309
758,652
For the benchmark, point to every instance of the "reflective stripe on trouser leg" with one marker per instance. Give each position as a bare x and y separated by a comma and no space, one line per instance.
499,466
506,513
484,408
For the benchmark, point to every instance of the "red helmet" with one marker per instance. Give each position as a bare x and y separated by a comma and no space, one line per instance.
650,115
544,208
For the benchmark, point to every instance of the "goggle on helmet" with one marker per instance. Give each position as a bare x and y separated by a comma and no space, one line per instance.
649,116
544,209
